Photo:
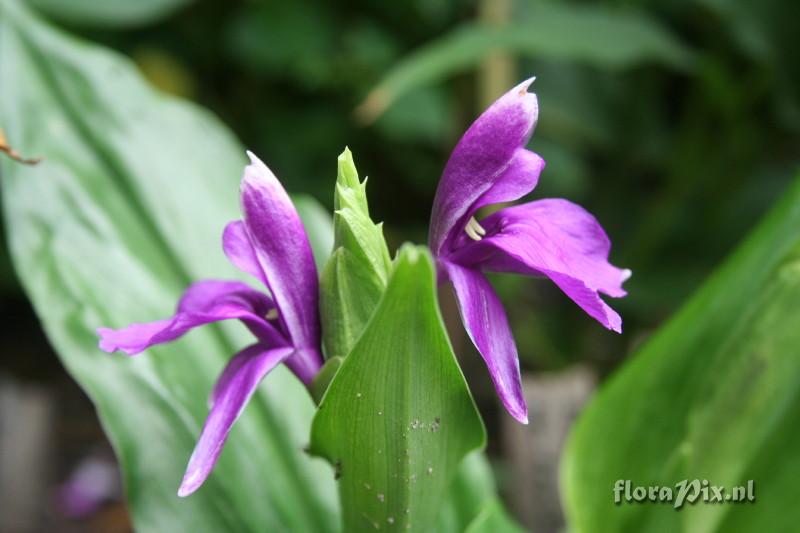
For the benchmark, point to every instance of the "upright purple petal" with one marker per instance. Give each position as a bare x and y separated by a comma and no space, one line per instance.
284,253
240,252
557,239
239,249
230,397
487,325
202,303
481,158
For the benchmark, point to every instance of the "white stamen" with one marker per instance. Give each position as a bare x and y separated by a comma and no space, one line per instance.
474,230
626,274
272,314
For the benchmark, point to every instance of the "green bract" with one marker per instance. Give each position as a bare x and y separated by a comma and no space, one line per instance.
398,418
357,272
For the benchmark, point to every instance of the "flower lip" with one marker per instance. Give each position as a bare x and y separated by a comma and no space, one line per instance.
487,165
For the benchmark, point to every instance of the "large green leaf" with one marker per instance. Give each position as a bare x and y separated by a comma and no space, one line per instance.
593,35
714,395
125,211
398,417
108,13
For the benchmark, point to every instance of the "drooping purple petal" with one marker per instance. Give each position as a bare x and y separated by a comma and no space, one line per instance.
202,303
587,299
480,160
485,320
297,363
557,239
240,252
231,370
249,368
284,253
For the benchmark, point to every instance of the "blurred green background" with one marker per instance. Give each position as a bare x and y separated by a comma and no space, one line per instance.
676,122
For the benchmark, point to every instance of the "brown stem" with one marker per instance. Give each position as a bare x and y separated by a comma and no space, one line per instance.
13,154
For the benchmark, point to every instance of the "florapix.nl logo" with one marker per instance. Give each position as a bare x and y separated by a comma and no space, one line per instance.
683,492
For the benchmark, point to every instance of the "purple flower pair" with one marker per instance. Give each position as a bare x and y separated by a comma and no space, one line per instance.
490,165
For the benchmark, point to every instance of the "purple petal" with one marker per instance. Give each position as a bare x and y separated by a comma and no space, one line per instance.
557,239
202,303
296,362
284,253
487,325
237,384
481,159
239,250
305,363
92,483
231,370
518,179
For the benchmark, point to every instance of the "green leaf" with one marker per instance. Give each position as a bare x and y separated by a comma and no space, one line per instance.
398,417
471,490
357,272
125,211
324,377
714,395
595,35
108,13
493,519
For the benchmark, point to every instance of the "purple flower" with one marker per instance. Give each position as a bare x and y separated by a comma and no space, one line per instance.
270,244
91,484
552,237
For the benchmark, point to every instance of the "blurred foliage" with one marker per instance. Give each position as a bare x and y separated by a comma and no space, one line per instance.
558,32
678,147
108,13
